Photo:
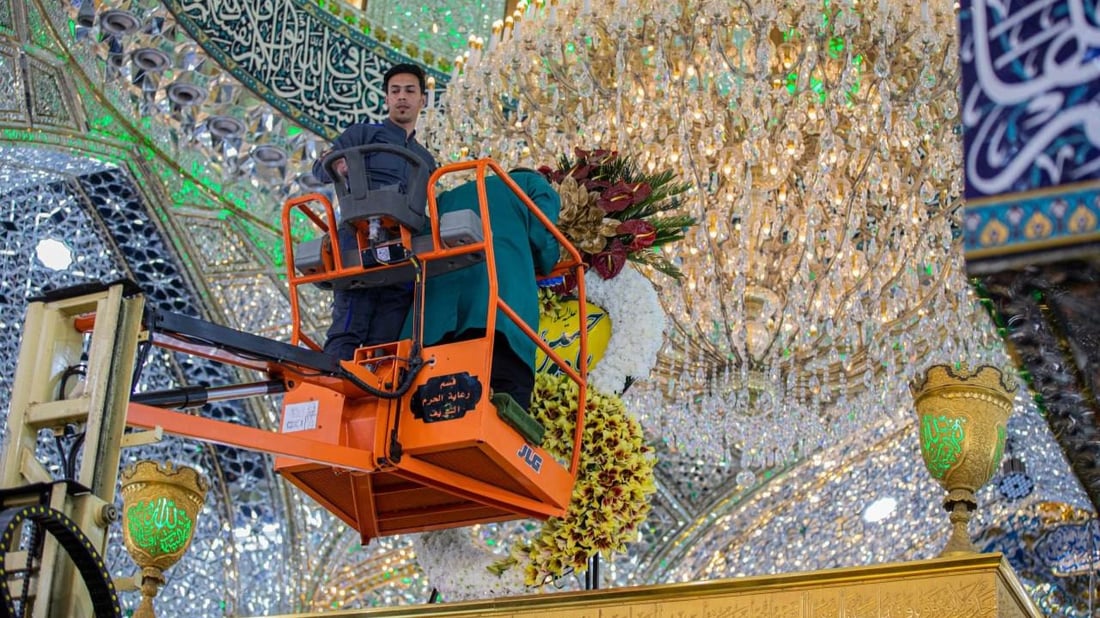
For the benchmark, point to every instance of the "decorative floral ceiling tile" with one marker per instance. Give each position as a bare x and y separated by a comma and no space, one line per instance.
7,18
50,102
254,304
40,31
13,105
218,247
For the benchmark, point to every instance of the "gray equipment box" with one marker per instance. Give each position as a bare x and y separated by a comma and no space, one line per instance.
459,228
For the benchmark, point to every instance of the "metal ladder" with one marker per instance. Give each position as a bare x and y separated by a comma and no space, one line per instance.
68,516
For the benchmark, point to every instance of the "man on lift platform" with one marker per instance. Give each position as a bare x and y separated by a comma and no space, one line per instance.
373,315
456,303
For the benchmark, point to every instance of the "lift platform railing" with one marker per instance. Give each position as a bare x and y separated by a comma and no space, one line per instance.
327,226
572,263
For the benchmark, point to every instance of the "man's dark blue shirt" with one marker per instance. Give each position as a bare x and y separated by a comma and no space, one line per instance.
383,168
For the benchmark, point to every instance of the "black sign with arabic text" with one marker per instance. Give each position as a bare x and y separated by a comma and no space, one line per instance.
445,398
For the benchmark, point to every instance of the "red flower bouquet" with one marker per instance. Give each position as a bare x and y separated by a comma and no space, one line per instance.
612,212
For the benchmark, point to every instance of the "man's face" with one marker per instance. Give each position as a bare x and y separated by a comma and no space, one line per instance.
405,100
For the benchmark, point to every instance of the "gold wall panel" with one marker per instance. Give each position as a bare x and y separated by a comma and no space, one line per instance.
976,586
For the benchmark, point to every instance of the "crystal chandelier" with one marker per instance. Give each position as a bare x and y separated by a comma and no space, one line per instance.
820,139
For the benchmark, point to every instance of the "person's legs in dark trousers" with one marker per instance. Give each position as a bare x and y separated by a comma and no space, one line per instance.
366,317
390,305
351,311
510,374
351,320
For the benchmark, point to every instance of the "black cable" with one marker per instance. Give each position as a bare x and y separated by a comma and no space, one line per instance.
142,351
139,362
70,463
33,551
558,581
79,369
419,284
415,365
68,456
62,454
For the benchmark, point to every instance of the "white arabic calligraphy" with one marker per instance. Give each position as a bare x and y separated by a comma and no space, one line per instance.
1029,124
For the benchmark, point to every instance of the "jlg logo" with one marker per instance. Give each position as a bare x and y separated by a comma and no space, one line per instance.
531,458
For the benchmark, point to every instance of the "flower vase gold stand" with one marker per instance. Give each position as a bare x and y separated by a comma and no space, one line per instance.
160,506
972,586
963,420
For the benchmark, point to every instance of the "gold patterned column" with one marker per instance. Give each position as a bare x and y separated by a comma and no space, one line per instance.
160,503
963,420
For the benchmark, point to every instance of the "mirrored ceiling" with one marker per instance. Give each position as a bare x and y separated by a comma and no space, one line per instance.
159,142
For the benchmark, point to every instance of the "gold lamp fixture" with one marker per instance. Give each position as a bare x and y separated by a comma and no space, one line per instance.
963,418
160,505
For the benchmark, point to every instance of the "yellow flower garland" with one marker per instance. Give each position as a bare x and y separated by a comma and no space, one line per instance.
611,496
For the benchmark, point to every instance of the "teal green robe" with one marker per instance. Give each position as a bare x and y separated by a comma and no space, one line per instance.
458,301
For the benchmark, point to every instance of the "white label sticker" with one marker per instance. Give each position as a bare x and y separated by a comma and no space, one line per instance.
300,416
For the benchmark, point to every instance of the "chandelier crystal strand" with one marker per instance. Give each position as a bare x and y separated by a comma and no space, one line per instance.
820,143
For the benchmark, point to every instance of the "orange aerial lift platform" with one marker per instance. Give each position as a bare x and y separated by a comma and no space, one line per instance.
403,437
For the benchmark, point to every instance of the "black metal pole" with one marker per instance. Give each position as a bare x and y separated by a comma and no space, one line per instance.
592,575
193,396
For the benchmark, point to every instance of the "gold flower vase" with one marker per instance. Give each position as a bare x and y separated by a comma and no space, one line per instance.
160,505
963,418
